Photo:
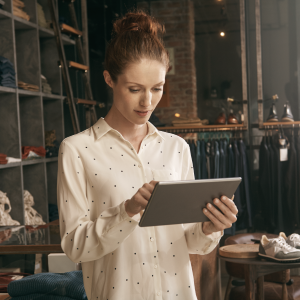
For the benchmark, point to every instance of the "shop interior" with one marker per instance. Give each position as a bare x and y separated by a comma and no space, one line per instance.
232,92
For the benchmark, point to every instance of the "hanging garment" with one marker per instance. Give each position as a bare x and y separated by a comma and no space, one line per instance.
212,159
204,174
222,168
217,160
245,188
277,187
265,185
237,195
207,151
198,161
231,166
291,183
193,154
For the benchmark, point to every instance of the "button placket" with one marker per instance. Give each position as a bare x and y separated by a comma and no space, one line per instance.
156,267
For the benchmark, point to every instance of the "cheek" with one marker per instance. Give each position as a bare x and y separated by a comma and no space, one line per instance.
156,97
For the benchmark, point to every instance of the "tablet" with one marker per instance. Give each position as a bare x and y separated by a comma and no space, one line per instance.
182,201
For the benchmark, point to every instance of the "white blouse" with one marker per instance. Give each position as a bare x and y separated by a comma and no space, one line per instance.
98,170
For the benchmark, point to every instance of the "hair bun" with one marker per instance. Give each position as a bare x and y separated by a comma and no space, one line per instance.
138,21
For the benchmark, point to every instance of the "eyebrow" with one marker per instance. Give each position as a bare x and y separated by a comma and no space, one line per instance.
162,82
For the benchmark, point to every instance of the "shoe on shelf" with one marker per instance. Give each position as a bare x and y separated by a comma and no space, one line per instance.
278,250
287,113
232,118
273,114
293,239
221,120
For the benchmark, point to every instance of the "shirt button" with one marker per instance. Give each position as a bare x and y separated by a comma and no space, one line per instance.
155,266
152,239
158,293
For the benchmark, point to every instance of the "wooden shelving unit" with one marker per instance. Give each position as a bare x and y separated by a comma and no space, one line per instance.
26,115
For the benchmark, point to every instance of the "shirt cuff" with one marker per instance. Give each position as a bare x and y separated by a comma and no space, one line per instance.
214,237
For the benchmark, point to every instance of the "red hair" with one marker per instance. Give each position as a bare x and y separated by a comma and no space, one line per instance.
136,36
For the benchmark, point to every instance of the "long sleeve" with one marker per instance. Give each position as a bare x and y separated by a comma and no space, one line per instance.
83,239
197,241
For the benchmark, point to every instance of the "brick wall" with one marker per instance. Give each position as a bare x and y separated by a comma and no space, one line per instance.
178,18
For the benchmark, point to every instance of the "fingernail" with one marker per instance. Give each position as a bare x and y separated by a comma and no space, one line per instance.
216,201
223,198
204,210
209,205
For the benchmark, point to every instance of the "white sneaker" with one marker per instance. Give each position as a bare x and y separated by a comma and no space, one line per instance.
278,250
293,239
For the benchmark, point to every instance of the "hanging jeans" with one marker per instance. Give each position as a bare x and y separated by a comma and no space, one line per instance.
217,160
204,174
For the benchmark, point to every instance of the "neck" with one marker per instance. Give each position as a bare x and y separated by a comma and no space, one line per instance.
130,131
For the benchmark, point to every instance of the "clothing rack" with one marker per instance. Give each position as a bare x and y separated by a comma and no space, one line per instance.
221,156
204,128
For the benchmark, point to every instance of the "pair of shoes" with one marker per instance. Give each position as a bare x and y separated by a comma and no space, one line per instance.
287,113
221,120
281,249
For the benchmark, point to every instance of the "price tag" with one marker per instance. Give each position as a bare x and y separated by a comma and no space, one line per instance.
283,154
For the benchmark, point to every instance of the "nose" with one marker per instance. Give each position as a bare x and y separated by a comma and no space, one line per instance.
146,100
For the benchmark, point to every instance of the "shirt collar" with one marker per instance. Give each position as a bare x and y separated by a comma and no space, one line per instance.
101,128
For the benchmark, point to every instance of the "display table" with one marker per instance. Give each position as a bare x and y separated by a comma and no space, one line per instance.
255,269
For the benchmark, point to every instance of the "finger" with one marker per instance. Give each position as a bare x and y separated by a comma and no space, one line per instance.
140,200
145,193
218,215
150,186
153,183
229,203
218,225
225,210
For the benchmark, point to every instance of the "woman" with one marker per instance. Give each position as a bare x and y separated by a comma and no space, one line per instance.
107,173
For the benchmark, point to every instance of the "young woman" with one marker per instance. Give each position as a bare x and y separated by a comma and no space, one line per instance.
107,173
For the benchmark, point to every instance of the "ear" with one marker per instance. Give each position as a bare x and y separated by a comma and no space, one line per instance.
108,79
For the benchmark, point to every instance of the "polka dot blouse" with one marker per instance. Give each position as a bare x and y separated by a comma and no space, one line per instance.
98,170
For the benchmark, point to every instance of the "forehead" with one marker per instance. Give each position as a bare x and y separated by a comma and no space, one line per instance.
145,72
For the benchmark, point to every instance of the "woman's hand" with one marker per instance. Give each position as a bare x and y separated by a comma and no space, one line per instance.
140,199
219,221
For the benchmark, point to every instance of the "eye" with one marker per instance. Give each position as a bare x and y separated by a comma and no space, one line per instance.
133,91
157,89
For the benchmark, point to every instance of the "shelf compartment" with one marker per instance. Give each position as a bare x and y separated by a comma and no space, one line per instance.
5,13
33,161
31,120
11,165
28,64
50,97
46,33
6,90
26,93
30,9
52,168
22,24
11,184
53,118
6,39
49,67
35,183
9,133
6,8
